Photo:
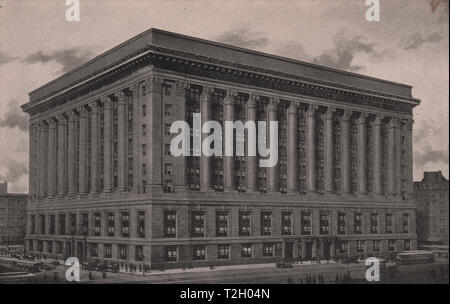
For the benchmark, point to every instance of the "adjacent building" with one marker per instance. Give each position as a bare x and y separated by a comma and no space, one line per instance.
12,216
105,186
432,209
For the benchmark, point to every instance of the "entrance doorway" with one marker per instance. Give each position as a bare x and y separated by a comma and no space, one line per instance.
308,250
326,250
289,250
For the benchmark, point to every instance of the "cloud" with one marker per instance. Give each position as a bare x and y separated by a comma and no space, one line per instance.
68,58
243,38
416,40
14,170
14,117
5,58
430,155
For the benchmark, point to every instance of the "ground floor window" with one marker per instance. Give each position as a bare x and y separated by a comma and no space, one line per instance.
171,253
59,247
123,250
223,251
40,246
49,246
139,253
360,246
407,244
246,251
199,252
391,245
107,250
376,245
94,250
343,246
268,250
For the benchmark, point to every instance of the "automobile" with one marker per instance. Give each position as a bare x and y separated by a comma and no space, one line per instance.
284,265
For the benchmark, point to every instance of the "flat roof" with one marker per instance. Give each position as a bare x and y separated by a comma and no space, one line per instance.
220,51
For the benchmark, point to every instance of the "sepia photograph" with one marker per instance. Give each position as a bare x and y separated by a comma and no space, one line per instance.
223,148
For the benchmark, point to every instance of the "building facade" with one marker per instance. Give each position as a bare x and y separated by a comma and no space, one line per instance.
104,185
12,216
431,195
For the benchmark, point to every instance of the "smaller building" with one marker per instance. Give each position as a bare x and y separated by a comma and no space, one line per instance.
12,216
431,196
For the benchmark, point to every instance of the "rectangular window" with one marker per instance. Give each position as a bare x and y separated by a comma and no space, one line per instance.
358,218
125,224
389,224
94,250
107,250
111,224
42,219
168,168
59,247
405,223
167,129
266,223
73,224
168,109
144,110
199,252
376,245
324,222
221,223
360,246
139,253
306,223
97,223
286,223
84,224
40,246
170,223
171,253
123,252
167,151
144,150
343,246
246,251
49,246
32,224
407,244
244,223
144,130
62,224
391,245
223,251
341,223
141,224
268,250
198,223
374,223
52,224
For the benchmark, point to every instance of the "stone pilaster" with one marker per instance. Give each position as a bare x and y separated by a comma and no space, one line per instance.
181,88
107,144
43,158
377,156
83,151
391,159
136,137
311,177
345,152
62,155
329,151
228,161
251,160
95,146
292,147
409,158
71,153
272,172
205,161
122,144
52,159
362,154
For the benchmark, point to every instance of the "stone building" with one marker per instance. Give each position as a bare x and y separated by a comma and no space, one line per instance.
104,185
431,195
12,216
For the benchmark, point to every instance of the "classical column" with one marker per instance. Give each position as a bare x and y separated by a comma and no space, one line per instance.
122,147
62,155
71,154
136,136
83,151
391,158
272,172
329,151
228,161
362,154
251,160
43,146
205,161
398,158
377,156
52,159
409,158
345,152
95,146
107,144
311,178
292,147
32,162
181,88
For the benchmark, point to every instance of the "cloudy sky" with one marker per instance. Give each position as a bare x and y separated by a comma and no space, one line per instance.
409,44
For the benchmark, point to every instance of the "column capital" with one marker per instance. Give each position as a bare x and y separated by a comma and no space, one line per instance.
52,122
394,122
346,116
153,84
252,100
273,103
62,119
72,116
293,107
329,114
362,118
93,104
229,97
83,112
311,109
122,97
107,102
378,119
409,122
207,93
181,86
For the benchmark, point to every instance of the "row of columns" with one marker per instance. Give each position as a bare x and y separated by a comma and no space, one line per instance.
393,147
